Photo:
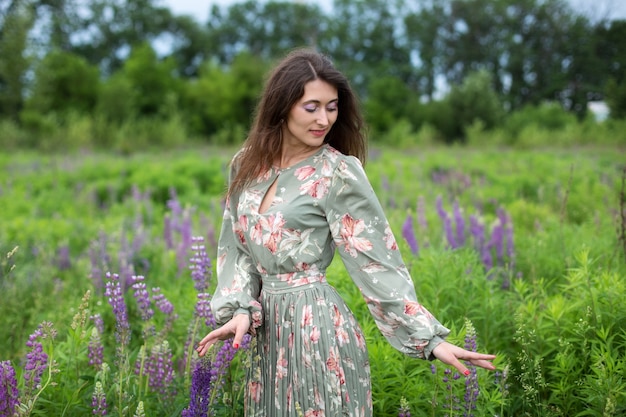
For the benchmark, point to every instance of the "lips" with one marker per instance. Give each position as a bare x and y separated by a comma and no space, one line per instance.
318,133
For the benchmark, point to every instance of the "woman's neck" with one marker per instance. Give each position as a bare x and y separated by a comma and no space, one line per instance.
290,156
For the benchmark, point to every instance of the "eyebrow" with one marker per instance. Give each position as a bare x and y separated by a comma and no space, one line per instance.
319,102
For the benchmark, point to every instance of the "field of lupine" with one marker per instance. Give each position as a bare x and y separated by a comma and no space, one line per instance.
106,278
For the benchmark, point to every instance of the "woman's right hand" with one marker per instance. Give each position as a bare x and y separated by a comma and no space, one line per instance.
238,326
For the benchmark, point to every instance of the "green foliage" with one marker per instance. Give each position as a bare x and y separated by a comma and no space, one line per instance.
116,100
152,80
386,103
224,99
546,116
558,329
64,82
571,357
102,85
402,136
107,30
616,98
12,137
14,62
439,115
474,100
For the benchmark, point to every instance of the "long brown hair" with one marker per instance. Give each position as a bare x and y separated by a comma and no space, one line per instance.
283,88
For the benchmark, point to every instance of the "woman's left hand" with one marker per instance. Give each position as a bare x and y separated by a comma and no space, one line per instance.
450,354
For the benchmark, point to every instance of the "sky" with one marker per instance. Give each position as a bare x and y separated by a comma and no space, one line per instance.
199,9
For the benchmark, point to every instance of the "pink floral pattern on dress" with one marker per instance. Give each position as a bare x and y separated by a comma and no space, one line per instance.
316,188
350,230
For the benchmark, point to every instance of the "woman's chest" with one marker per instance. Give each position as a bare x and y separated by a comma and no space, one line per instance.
297,202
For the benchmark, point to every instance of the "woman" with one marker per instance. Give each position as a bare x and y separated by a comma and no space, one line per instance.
298,192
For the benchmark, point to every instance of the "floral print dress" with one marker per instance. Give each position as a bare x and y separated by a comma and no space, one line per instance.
310,357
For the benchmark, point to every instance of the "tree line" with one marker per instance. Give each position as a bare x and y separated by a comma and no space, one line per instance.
441,63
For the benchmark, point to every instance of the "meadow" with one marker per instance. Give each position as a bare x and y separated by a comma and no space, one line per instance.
106,274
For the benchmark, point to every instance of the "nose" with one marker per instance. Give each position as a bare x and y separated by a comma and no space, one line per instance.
323,118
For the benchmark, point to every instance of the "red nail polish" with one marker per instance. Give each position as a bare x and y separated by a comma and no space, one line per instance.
467,372
236,345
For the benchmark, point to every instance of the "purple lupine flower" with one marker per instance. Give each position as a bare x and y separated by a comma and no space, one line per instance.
160,370
186,229
459,221
167,308
203,309
116,300
409,234
452,400
211,236
470,337
63,258
100,260
471,382
245,342
385,183
36,361
500,379
387,187
142,296
9,394
168,235
139,236
200,391
200,265
180,222
477,230
472,391
510,247
223,359
421,213
404,410
445,378
173,203
219,368
164,305
185,243
447,223
125,266
497,241
136,194
99,400
438,176
95,349
140,360
98,322
504,221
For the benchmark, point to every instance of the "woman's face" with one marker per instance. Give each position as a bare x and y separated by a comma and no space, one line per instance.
311,118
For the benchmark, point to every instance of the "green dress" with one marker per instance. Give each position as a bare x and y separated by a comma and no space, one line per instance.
310,357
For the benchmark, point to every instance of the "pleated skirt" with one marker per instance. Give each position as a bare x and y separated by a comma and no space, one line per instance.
310,357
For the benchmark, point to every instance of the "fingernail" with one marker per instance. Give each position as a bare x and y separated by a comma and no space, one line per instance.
467,372
236,345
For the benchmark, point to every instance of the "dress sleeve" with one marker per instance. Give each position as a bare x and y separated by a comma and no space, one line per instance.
370,253
238,283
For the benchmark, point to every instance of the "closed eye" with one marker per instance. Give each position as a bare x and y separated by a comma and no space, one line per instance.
312,109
